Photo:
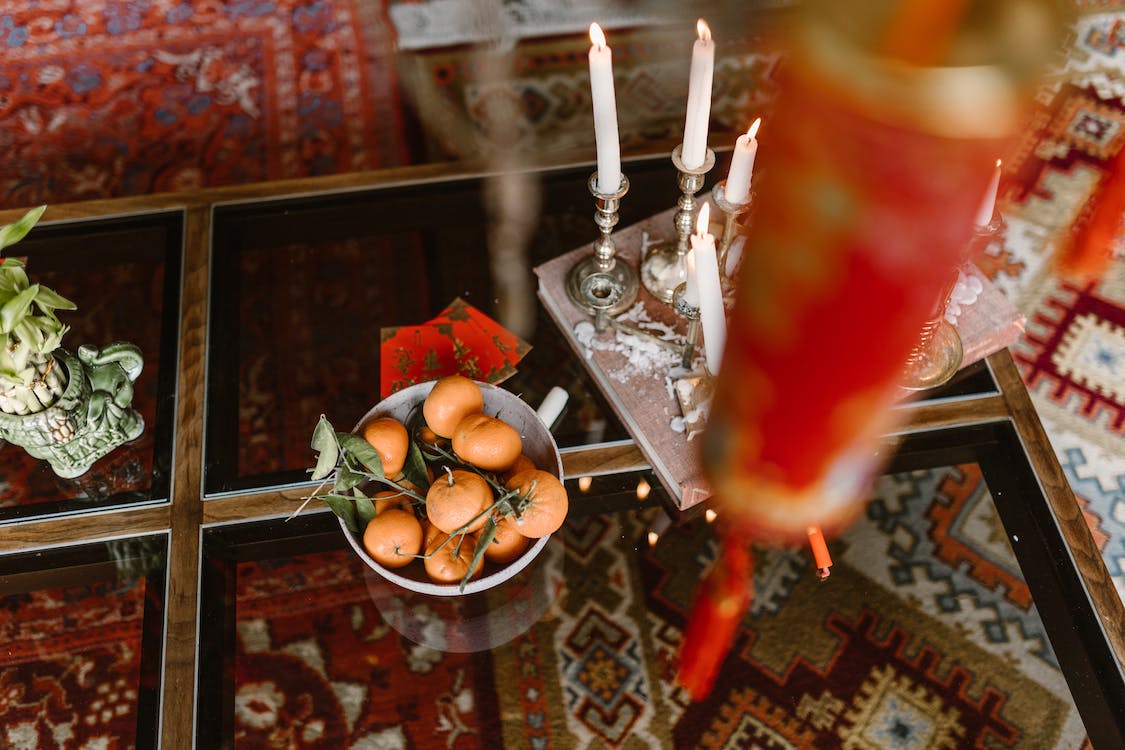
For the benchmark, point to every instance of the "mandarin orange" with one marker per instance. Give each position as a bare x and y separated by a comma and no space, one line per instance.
508,543
487,442
523,463
393,537
456,500
452,399
388,437
388,499
450,563
546,505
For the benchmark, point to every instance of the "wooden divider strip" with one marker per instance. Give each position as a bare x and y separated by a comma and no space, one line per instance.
1075,530
187,511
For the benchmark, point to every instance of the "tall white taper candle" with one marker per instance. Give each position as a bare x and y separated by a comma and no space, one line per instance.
699,98
605,112
712,316
988,205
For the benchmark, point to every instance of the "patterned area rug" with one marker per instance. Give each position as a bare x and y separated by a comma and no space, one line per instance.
106,98
1073,354
536,97
70,667
924,637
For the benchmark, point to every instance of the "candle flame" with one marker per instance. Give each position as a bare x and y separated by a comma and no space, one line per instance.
653,538
710,515
584,483
997,163
704,219
753,131
643,488
597,36
703,30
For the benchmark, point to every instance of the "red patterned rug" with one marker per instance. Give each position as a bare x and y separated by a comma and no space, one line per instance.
924,637
105,98
70,667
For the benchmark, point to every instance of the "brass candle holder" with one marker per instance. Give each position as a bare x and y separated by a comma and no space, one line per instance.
664,268
603,260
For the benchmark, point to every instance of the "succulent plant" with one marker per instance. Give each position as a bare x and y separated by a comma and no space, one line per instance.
29,330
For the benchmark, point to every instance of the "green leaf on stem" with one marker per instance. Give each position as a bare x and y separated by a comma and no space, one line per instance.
15,308
344,509
415,468
346,479
324,442
486,535
16,231
363,451
364,510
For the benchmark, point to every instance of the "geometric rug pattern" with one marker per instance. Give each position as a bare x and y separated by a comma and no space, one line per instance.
1072,355
924,637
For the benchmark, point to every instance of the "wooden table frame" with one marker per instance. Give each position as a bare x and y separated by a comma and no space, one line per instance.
1085,588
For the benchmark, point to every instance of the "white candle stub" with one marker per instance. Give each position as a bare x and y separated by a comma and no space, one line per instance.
988,205
712,315
605,113
694,151
742,165
552,405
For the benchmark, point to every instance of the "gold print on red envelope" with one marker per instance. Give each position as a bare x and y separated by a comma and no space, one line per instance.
461,339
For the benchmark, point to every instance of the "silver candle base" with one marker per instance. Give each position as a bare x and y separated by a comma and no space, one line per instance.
664,267
731,212
690,313
938,355
604,258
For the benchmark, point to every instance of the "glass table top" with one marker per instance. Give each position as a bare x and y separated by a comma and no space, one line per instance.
124,276
582,645
955,609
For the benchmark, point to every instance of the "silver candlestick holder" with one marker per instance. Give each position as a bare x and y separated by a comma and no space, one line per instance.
604,258
938,355
664,268
690,313
731,212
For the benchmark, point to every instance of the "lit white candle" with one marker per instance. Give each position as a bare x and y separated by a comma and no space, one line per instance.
712,316
605,112
742,165
987,206
699,98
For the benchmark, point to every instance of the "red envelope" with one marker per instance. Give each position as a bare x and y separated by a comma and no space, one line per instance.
461,339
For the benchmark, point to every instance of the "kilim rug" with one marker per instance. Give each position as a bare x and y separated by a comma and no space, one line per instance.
102,98
70,667
1073,354
924,637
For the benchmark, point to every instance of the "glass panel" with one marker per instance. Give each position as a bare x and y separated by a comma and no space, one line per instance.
83,635
124,276
304,286
925,635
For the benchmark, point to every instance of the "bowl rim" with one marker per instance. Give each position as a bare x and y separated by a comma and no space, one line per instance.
420,391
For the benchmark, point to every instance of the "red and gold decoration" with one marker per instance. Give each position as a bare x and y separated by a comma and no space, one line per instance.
460,340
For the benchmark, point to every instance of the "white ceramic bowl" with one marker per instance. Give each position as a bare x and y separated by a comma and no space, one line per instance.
538,444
